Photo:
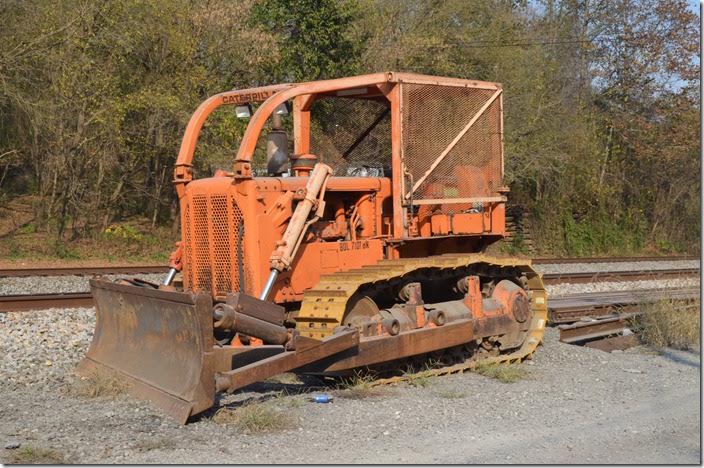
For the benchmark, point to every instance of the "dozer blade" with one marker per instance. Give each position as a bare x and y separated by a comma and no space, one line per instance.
160,343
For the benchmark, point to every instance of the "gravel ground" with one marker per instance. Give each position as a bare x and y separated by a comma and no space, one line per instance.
577,405
40,347
57,284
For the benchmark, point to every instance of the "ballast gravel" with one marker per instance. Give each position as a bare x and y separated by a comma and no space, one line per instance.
38,348
555,268
556,290
59,284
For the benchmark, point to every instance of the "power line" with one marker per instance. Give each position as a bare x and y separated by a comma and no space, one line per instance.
490,44
524,44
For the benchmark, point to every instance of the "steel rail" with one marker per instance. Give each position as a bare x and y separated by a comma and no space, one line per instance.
575,307
600,320
27,302
136,269
614,276
602,328
82,271
558,311
562,260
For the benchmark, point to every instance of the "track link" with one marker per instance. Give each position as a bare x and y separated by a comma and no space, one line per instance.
324,306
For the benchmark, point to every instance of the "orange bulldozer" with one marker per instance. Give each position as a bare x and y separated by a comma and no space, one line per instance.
350,234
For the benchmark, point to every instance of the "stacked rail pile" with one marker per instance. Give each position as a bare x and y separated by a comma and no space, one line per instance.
601,320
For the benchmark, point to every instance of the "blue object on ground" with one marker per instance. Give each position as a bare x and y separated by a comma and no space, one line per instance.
323,398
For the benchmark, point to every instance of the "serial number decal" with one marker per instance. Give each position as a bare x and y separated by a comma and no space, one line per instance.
356,245
246,97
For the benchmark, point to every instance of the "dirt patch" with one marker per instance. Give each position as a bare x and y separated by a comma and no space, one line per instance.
156,443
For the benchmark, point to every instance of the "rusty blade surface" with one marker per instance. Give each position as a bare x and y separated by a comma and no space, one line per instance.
159,342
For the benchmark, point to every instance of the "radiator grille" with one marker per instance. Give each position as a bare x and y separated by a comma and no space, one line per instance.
213,256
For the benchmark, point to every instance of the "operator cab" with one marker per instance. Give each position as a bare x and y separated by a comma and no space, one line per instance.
351,133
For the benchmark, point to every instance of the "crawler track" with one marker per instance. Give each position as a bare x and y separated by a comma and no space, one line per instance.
324,306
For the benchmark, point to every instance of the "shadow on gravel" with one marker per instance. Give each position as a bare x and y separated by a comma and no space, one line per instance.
262,392
682,357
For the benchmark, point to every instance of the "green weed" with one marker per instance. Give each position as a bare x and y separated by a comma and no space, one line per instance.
506,373
359,386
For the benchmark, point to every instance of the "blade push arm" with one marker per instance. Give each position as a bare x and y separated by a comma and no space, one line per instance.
282,257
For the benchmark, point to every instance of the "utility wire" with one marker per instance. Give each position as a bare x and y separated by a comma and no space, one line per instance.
474,45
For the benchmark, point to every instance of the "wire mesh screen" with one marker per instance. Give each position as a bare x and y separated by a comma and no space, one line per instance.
435,123
353,136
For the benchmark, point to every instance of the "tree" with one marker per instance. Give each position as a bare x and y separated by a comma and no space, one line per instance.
312,37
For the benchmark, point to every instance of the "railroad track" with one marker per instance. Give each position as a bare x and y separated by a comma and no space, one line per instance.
137,269
26,302
82,271
575,307
601,320
562,260
614,276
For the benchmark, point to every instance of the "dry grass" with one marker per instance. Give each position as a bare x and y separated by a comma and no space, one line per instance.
674,324
294,401
418,379
506,373
422,378
97,384
161,443
360,386
287,378
255,418
32,455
